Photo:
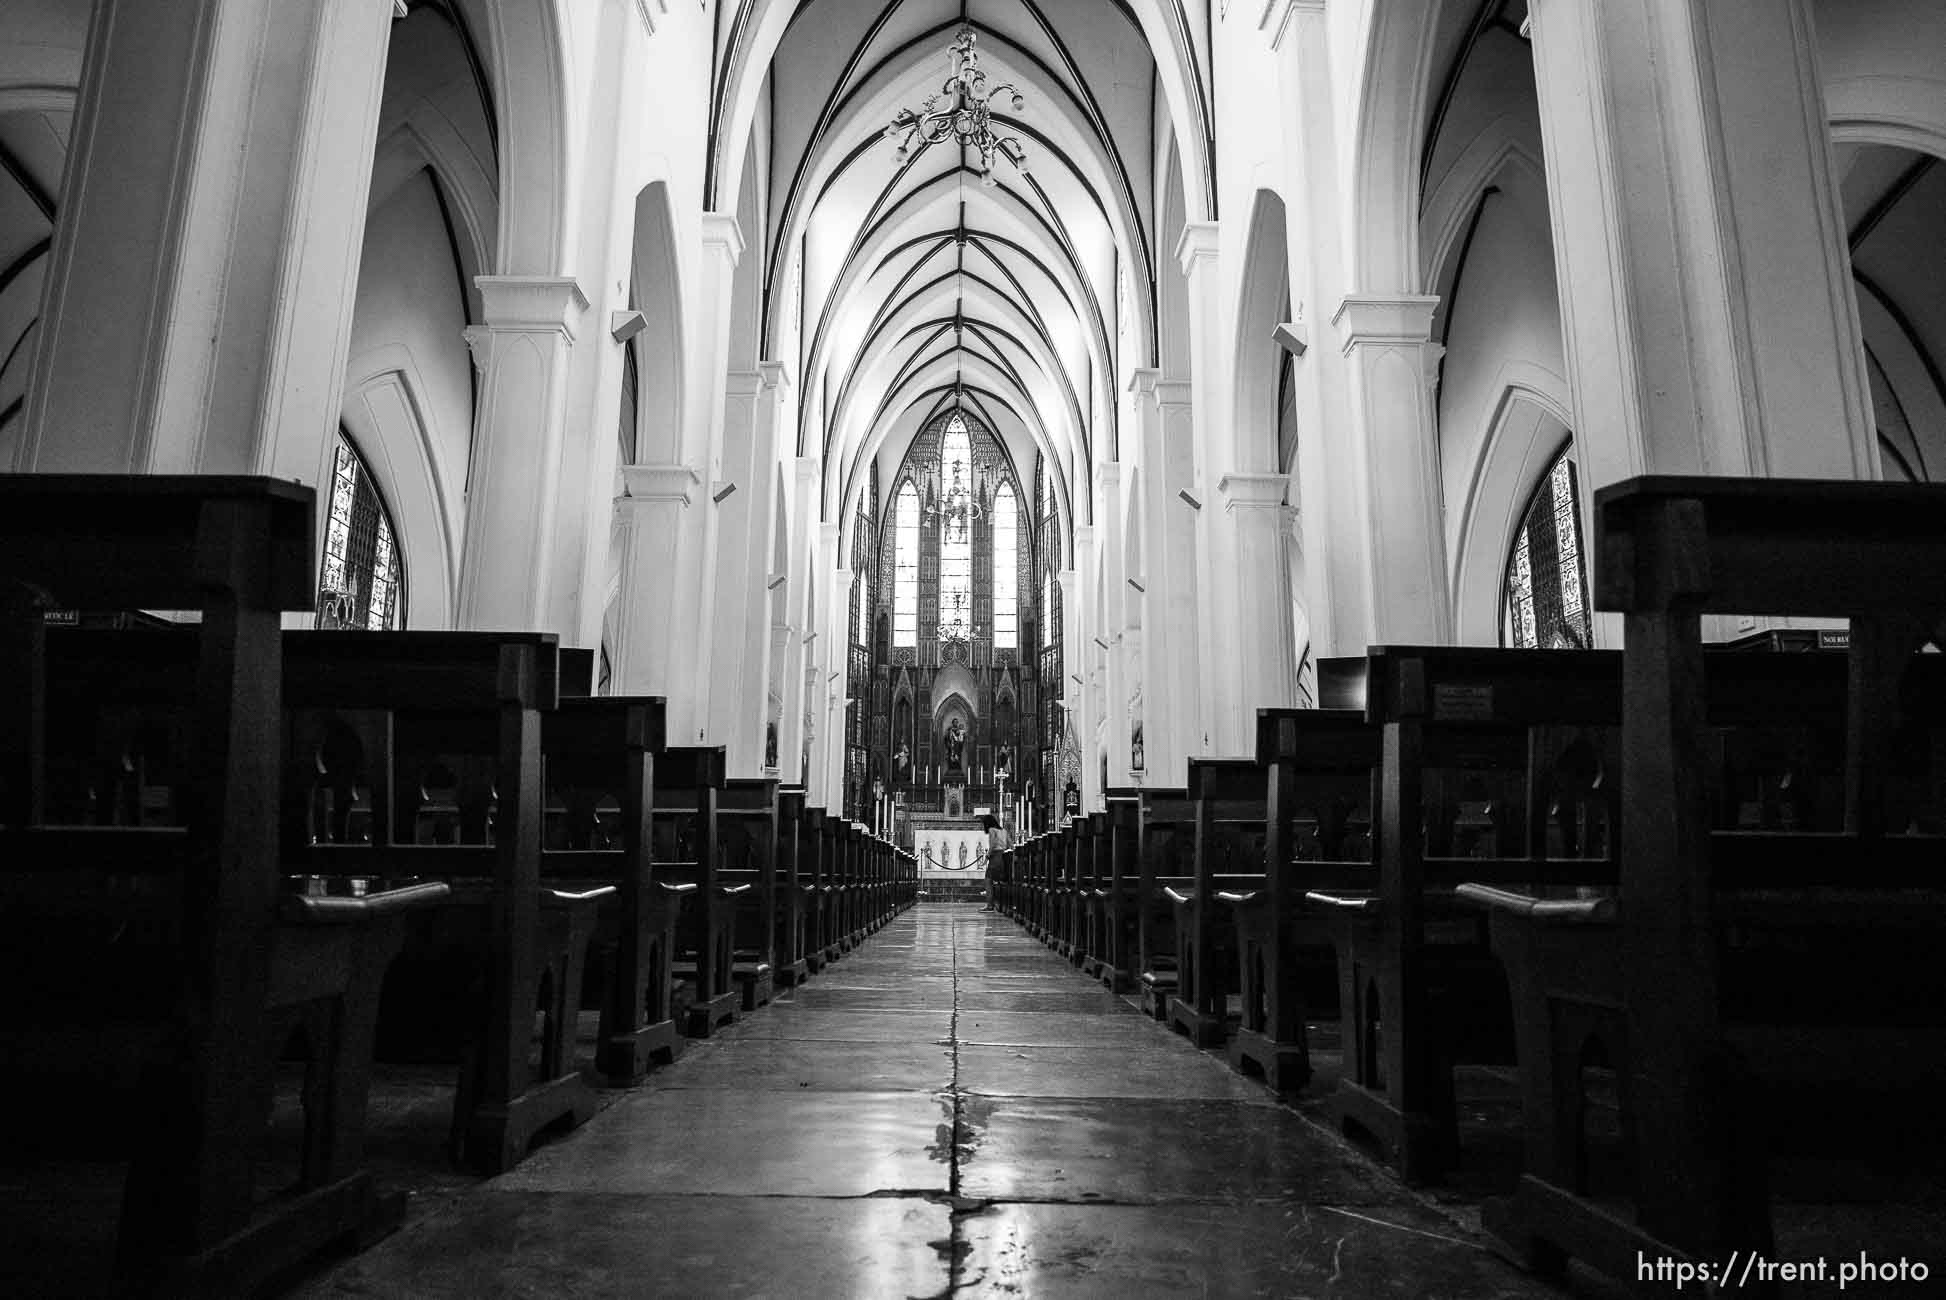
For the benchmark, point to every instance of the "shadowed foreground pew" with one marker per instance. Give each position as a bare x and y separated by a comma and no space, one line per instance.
184,971
1741,973
748,831
688,851
462,709
1227,845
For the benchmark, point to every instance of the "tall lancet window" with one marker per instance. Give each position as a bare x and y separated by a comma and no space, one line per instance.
1545,604
363,580
956,534
905,568
1006,572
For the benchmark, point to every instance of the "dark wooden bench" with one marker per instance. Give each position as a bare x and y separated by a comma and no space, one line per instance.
1323,772
445,730
1460,800
1091,933
1165,851
792,962
813,869
748,834
1119,955
181,968
599,758
1742,980
688,851
1227,855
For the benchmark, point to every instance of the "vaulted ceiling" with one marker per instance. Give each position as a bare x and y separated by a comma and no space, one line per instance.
913,281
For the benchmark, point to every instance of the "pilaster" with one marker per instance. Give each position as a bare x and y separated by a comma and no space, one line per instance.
1263,659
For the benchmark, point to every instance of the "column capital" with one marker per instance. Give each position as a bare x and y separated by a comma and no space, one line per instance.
1384,318
722,234
1084,535
1197,246
1280,15
775,374
1253,491
1108,474
659,482
1143,379
479,345
742,383
531,304
807,469
1174,392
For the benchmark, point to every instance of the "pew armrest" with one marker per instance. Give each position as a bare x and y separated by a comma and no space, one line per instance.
1176,897
583,896
1232,896
731,891
304,910
1588,911
1344,902
685,887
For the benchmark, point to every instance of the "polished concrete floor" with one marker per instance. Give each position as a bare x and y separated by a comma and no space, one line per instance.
951,1110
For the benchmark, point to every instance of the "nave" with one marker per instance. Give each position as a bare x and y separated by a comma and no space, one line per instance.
951,1110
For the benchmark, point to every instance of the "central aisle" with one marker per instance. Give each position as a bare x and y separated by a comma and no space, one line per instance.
950,1106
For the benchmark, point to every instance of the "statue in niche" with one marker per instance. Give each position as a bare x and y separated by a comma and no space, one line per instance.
956,745
1135,748
1003,760
770,746
902,763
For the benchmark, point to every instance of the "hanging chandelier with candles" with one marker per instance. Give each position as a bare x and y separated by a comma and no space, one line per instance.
962,113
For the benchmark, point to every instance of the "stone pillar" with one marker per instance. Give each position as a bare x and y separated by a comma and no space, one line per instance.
1112,540
806,478
738,675
1172,723
1263,658
656,652
1074,678
1706,299
828,660
1211,453
514,476
203,273
1387,342
1088,662
1336,587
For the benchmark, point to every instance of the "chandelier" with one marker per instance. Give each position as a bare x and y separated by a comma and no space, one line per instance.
962,112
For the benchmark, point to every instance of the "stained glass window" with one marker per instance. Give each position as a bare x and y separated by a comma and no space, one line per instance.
1545,605
905,568
1006,573
956,534
363,579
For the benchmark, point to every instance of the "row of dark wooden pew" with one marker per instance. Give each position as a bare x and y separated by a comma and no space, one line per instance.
227,844
1694,900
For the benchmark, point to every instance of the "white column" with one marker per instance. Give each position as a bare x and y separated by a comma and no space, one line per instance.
1706,294
1388,343
1264,657
1212,451
657,652
1172,723
805,479
828,659
200,291
739,640
1073,665
1088,663
514,475
1112,543
1331,505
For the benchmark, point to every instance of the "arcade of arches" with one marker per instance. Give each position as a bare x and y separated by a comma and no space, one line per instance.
1307,325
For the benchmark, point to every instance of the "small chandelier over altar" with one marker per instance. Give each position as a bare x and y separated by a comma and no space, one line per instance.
962,113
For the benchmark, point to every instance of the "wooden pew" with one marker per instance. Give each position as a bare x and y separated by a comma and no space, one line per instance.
1419,989
1165,852
1119,956
748,813
599,761
1739,974
1091,940
222,967
814,848
1228,797
792,963
835,846
466,707
1323,767
689,851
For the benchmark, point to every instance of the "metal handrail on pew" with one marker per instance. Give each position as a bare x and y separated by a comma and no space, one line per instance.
1406,939
476,697
239,551
605,747
688,847
1713,949
1228,801
1322,764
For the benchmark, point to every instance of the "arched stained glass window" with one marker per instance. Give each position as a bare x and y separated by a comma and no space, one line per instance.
362,582
1006,570
905,568
956,534
1545,600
